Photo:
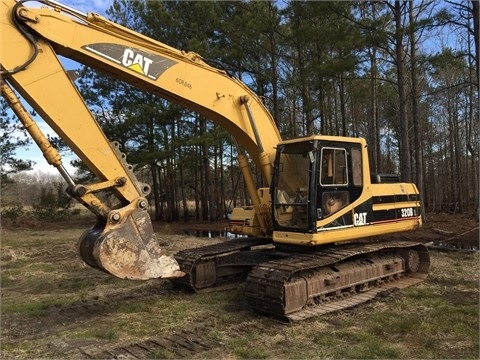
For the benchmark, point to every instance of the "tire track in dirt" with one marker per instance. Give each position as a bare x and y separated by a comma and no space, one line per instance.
97,305
56,316
183,344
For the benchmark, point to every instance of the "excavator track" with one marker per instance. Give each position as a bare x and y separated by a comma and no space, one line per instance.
292,285
218,266
317,282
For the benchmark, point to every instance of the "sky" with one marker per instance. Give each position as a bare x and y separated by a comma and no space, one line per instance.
98,6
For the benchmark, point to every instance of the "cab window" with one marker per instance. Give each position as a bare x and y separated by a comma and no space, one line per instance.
357,167
334,167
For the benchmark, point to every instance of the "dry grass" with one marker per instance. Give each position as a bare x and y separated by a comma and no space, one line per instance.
53,306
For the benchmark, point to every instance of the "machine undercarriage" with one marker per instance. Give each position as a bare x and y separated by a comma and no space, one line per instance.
295,285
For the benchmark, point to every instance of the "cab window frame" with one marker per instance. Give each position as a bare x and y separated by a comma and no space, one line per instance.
335,175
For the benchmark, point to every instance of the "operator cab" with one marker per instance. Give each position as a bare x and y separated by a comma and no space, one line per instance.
315,178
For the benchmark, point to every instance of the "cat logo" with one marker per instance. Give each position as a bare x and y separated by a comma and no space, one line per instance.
136,61
141,62
360,219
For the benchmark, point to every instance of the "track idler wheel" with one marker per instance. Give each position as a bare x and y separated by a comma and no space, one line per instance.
412,260
125,246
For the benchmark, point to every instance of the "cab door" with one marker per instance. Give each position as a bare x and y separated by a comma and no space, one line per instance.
339,182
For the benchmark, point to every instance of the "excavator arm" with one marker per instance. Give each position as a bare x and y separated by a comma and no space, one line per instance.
122,242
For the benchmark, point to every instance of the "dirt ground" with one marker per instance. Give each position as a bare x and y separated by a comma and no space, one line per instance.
449,230
65,309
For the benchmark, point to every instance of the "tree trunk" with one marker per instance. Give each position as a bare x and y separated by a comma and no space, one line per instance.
405,167
375,129
343,110
474,116
156,192
205,172
183,192
417,123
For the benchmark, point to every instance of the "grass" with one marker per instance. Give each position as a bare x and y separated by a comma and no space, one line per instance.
242,348
107,334
48,294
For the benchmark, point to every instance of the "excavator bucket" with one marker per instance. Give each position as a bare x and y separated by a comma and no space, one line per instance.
127,249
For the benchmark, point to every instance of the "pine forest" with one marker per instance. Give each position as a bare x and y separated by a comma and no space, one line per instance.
404,75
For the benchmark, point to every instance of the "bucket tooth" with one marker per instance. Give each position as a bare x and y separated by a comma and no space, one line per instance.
127,249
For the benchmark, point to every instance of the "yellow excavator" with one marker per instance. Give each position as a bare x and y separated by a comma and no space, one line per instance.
316,237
